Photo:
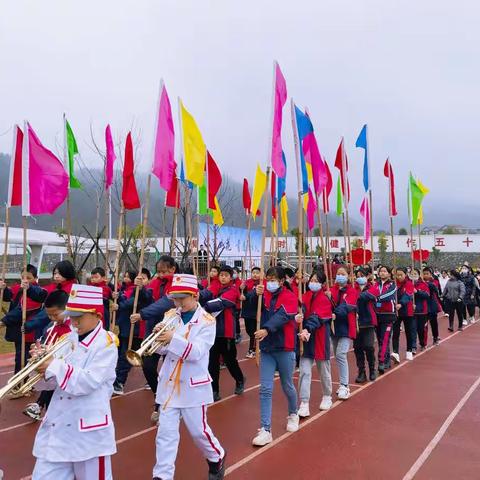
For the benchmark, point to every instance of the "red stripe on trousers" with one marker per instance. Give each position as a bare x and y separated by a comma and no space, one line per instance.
206,433
386,338
101,468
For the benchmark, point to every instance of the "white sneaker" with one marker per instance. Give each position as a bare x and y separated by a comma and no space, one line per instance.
395,357
155,416
34,411
304,410
472,320
464,323
292,422
343,392
263,438
409,356
326,403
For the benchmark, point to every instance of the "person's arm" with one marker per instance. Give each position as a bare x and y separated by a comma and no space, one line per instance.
37,293
226,300
312,322
154,313
277,320
462,291
38,321
389,295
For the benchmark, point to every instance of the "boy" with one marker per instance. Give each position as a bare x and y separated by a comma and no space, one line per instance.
186,360
249,309
54,308
77,437
98,278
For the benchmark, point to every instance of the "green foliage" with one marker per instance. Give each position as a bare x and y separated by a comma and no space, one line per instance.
383,247
339,233
403,231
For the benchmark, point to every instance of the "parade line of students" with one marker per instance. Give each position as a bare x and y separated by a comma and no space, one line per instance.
358,307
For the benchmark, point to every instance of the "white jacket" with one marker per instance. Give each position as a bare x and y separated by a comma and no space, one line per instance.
184,380
78,425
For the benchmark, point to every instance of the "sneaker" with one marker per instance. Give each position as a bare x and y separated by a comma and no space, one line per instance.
450,329
344,393
423,348
117,388
292,422
146,387
264,437
436,341
414,351
472,320
362,377
304,410
222,366
373,375
240,387
216,397
326,403
238,338
395,357
34,411
216,470
409,356
250,354
155,416
381,368
465,323
460,329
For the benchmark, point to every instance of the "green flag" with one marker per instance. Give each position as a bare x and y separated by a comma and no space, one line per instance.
339,198
203,198
416,197
72,151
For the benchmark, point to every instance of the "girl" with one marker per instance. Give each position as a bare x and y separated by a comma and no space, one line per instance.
249,309
316,318
453,297
344,300
434,304
277,337
422,295
471,286
405,290
64,276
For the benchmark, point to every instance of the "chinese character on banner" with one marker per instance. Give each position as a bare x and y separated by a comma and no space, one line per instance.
440,241
334,243
411,242
281,244
467,241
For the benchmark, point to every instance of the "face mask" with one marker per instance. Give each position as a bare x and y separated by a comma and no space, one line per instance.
273,286
341,279
235,276
315,286
415,278
464,271
361,281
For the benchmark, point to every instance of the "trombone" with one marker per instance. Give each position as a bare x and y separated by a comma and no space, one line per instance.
151,344
23,381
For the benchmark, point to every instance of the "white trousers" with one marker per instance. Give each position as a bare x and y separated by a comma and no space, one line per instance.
95,468
168,436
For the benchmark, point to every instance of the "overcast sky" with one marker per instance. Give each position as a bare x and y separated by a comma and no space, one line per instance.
410,69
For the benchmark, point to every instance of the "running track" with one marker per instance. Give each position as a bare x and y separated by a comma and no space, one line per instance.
420,420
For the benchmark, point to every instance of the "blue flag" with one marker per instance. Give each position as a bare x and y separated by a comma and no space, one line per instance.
281,182
362,143
304,127
182,177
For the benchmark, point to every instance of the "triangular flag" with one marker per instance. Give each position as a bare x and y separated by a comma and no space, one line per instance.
304,128
339,197
258,189
72,153
284,214
129,188
15,179
217,216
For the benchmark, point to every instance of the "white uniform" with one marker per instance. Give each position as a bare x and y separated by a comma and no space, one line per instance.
77,437
184,391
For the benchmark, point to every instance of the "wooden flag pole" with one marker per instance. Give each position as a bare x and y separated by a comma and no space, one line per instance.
188,239
164,228
420,247
411,246
5,253
322,244
196,257
247,246
370,197
107,223
208,250
262,264
117,267
142,258
329,252
24,293
392,234
173,239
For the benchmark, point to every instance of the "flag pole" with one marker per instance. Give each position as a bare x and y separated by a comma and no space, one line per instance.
392,234
371,226
5,253
208,250
67,166
142,258
108,226
188,238
262,261
411,246
173,238
345,193
164,227
420,246
390,210
24,293
117,266
322,244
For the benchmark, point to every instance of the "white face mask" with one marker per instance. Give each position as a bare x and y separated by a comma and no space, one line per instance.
273,286
315,286
235,276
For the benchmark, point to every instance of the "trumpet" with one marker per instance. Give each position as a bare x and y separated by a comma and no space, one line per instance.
151,344
23,381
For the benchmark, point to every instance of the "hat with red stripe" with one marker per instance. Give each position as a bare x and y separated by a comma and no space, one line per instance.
183,285
84,299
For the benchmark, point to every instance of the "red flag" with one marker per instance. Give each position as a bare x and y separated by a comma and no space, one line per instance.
341,162
110,157
214,180
388,172
129,191
15,179
247,199
273,192
328,188
172,197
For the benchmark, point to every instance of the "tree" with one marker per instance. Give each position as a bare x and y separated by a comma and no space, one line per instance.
436,254
450,231
295,233
339,233
383,247
403,231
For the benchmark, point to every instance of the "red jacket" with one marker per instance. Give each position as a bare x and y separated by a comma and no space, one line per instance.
64,286
345,305
160,286
405,298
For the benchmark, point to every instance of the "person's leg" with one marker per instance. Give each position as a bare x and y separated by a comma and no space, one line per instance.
396,334
471,311
98,467
324,370
123,367
369,347
250,327
286,367
18,356
305,379
214,364
359,351
450,309
268,365
459,306
168,436
229,353
421,330
343,346
150,370
434,326
409,335
45,470
381,331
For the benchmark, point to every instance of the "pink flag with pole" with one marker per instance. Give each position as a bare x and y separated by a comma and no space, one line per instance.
311,210
313,156
365,213
164,165
328,188
44,179
110,160
280,97
15,179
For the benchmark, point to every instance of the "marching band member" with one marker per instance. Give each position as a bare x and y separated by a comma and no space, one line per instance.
184,382
76,437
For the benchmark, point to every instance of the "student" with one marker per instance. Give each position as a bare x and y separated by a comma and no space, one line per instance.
277,336
98,278
64,276
54,307
344,298
453,297
76,437
237,281
224,303
315,334
471,285
213,276
187,398
363,344
434,303
249,309
422,295
125,303
386,308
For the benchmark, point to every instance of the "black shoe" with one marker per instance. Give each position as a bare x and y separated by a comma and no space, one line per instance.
381,368
216,397
240,387
423,348
460,329
216,470
450,329
436,341
373,375
414,351
362,377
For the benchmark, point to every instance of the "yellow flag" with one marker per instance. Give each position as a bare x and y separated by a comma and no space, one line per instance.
194,149
274,226
424,190
258,189
420,216
284,214
217,216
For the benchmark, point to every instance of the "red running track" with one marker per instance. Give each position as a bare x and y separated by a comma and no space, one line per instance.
381,432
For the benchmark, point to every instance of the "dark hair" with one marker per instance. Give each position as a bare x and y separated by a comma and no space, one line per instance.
254,269
65,269
289,272
146,271
170,261
216,267
133,274
402,269
226,269
386,267
320,274
98,270
58,299
417,270
454,273
277,272
362,271
31,269
445,271
428,269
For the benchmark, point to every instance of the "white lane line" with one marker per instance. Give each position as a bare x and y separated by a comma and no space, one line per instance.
441,432
13,427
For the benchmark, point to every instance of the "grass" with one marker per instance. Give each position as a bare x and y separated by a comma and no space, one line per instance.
5,347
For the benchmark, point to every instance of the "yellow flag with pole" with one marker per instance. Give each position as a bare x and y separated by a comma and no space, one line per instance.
259,187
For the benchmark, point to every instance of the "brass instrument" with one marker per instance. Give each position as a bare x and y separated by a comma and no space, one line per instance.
151,344
23,381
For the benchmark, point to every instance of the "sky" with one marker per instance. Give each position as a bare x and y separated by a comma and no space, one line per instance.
409,69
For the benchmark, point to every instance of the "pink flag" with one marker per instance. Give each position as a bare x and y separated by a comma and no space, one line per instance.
15,179
44,179
388,172
365,213
164,165
110,160
311,210
280,97
328,188
314,158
